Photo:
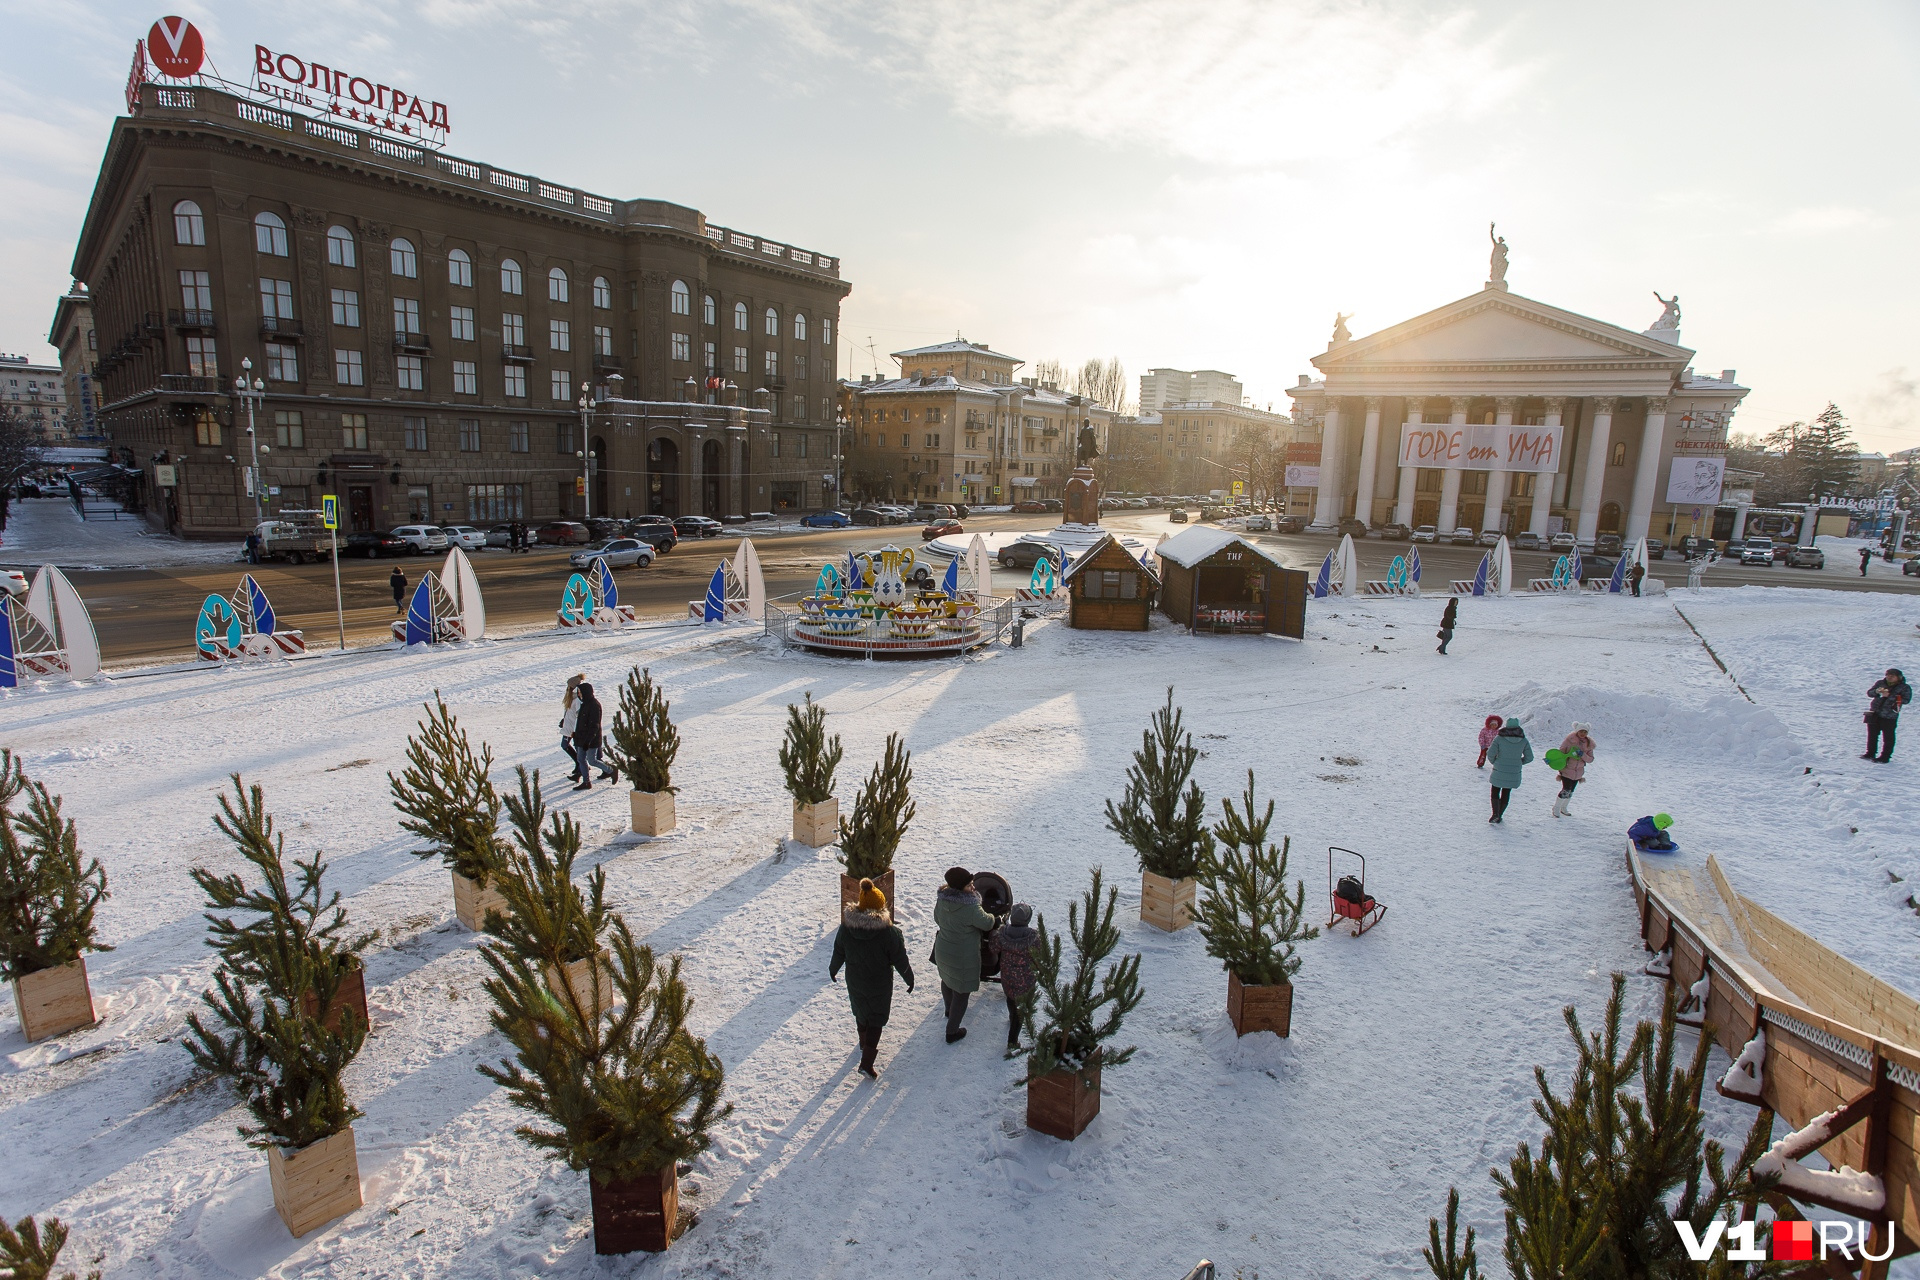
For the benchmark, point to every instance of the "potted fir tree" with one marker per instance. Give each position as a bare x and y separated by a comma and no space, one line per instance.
272,1043
1163,817
29,1251
1074,1012
882,810
809,757
448,797
1250,924
47,899
547,921
627,1095
645,742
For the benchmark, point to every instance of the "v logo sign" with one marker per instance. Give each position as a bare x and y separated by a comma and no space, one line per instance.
174,34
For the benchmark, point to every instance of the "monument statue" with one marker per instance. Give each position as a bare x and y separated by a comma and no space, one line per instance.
1086,446
1497,263
1340,333
1670,317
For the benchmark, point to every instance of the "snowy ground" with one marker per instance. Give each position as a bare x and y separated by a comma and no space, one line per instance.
46,531
1410,1064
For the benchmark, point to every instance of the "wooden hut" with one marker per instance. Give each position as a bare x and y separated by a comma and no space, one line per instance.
1215,580
1109,589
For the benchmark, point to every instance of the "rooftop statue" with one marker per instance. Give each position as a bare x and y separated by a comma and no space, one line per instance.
1340,333
1669,318
1497,263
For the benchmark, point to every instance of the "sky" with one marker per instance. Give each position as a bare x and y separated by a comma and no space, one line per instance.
1197,184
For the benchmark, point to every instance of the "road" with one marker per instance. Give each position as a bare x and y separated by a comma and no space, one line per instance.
149,614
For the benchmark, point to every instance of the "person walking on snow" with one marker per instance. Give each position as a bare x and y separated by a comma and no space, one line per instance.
569,715
586,740
871,948
1447,621
398,581
962,922
1884,700
1866,558
1013,943
1577,747
1509,751
1634,576
1487,731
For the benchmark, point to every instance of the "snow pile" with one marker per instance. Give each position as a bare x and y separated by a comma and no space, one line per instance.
1846,1187
1724,725
1747,1076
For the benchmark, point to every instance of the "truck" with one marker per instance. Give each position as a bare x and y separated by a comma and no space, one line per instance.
293,541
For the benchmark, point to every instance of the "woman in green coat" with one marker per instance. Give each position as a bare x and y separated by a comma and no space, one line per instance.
1509,751
872,949
963,922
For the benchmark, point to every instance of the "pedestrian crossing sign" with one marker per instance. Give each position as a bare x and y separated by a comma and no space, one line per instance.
329,511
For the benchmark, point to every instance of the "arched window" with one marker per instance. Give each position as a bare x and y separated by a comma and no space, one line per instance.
799,327
773,323
602,293
189,224
826,331
557,286
708,311
340,247
405,261
510,280
460,269
270,234
1620,453
682,301
740,316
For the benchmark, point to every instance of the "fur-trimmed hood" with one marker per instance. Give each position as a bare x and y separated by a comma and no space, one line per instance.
855,918
960,895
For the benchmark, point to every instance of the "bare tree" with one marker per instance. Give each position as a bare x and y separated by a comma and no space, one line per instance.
1104,382
1050,371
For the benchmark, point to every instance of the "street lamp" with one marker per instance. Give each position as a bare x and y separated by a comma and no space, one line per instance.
250,394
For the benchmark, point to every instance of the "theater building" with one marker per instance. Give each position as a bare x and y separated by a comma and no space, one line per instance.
423,329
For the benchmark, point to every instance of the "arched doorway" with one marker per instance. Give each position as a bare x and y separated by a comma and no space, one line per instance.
710,479
1610,518
601,507
663,477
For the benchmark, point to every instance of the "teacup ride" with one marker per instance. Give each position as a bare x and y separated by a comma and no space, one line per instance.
840,620
857,620
911,622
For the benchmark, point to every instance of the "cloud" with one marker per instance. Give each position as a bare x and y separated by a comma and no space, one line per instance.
1892,406
1825,218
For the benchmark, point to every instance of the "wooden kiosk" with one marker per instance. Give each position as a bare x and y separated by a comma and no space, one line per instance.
1109,589
1214,580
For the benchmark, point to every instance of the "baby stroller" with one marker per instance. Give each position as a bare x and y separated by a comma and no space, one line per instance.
996,899
1349,895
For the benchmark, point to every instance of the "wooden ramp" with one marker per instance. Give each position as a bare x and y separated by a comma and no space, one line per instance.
1832,1049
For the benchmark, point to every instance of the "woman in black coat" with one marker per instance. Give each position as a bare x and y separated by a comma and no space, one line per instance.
872,949
1447,621
586,740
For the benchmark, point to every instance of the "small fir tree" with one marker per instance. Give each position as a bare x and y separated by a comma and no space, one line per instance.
270,997
1163,814
29,1251
1624,1157
645,740
1074,1012
549,923
447,794
808,756
1250,924
47,893
882,811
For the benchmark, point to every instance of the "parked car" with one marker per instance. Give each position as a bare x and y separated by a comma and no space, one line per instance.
1053,504
376,542
696,526
1023,554
13,582
1607,544
1290,524
464,536
1596,568
1656,548
1394,531
1756,551
1528,540
422,537
501,535
827,520
1692,547
960,510
1029,507
870,516
1462,537
927,511
1353,526
1910,568
1259,524
562,533
896,514
1425,533
1806,558
619,553
1561,543
941,529
604,527
660,537
1177,516
649,519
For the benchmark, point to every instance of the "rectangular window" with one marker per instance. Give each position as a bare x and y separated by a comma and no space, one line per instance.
196,291
800,365
903,441
491,503
772,364
466,379
799,408
346,308
682,347
826,332
276,299
462,323
353,431
801,442
560,335
513,329
633,343
602,340
713,357
469,435
288,430
516,381
206,429
283,362
406,316
416,433
739,359
202,360
420,504
347,368
563,437
774,449
517,437
411,373
293,497
560,385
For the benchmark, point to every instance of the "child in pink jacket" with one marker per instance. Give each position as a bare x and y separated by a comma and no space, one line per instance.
1487,732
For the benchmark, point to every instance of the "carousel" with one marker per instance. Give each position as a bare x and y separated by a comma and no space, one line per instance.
868,607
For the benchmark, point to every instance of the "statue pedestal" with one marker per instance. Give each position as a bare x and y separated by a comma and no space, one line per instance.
1082,497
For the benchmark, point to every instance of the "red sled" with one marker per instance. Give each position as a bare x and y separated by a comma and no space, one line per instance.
1349,896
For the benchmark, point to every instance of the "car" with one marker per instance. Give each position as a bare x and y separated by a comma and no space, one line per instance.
926,511
1290,524
696,526
649,519
1910,568
827,520
500,535
1489,538
1756,551
603,527
376,542
1394,531
1029,507
1259,524
1528,540
896,514
619,553
1596,568
1024,554
1425,533
464,536
660,537
1806,558
870,516
562,533
960,510
422,537
1656,548
1462,537
941,529
1177,516
1561,543
13,581
1607,544
1053,504
1353,526
1206,515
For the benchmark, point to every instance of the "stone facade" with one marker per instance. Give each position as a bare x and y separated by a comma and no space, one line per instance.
34,392
425,327
73,336
1196,447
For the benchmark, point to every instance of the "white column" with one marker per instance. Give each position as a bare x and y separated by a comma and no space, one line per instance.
1589,524
1450,481
1403,501
1497,476
1369,462
1326,503
1543,484
1646,473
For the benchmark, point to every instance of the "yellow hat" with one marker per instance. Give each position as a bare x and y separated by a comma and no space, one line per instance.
871,899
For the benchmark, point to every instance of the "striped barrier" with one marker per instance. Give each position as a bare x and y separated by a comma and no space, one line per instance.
1461,586
1545,584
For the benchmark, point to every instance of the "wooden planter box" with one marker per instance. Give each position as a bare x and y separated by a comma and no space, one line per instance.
637,1215
317,1183
1062,1104
817,824
1167,904
653,812
471,902
351,995
53,1001
850,889
1259,1008
579,977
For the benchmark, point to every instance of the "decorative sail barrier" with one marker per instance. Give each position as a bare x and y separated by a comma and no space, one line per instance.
737,592
1403,577
1043,588
1566,575
48,634
1339,572
243,626
592,599
446,607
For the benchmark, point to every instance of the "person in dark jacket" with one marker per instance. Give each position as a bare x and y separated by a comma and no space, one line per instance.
586,739
962,923
1013,945
872,949
1509,751
398,581
1884,700
1636,573
1650,833
1866,558
1447,621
